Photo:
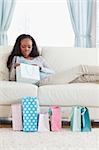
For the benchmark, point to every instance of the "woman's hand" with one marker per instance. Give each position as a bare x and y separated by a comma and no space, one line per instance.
16,65
38,66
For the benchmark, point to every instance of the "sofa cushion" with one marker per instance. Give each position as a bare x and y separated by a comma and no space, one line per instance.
12,92
58,78
84,94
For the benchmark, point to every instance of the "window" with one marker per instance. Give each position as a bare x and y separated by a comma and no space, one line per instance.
97,24
48,21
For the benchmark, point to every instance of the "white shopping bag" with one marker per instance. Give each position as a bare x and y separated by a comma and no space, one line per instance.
27,73
43,124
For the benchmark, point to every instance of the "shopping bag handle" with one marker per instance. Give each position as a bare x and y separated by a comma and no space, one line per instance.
82,113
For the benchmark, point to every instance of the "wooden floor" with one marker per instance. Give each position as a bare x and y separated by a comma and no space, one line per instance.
5,122
65,124
5,126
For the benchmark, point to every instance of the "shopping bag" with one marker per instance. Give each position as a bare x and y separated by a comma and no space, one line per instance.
55,118
80,119
85,120
30,113
43,123
16,117
27,73
75,121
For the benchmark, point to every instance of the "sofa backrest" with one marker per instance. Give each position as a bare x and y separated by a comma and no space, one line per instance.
62,58
59,58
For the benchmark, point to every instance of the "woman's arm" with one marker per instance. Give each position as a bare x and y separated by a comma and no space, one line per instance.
45,67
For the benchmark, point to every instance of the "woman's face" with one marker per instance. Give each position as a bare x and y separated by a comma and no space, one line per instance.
26,47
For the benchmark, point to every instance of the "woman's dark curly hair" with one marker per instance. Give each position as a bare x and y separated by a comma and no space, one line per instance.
16,51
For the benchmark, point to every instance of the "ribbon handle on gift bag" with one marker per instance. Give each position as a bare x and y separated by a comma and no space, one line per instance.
83,110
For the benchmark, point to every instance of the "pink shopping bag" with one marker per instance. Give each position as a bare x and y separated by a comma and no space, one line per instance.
55,118
16,117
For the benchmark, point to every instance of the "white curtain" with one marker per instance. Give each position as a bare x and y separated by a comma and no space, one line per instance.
6,13
81,18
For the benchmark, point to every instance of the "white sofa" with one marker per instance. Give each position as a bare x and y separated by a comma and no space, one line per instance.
64,95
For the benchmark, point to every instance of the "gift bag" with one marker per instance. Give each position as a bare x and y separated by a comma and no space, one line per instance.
55,118
43,123
85,120
16,117
30,114
27,73
75,121
80,119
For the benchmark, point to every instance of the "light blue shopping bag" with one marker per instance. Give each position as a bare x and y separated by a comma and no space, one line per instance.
75,121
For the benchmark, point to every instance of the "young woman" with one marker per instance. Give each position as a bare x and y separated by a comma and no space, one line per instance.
25,51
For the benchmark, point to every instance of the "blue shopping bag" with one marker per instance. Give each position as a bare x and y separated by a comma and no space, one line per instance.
85,120
80,119
30,113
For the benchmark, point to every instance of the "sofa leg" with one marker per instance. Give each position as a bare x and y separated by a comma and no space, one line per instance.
5,122
95,123
66,124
